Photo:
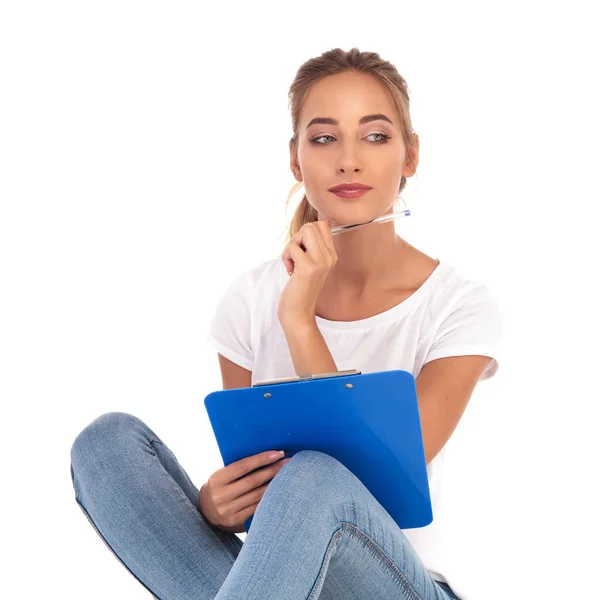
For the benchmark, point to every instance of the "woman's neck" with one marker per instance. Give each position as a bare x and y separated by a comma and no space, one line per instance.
370,257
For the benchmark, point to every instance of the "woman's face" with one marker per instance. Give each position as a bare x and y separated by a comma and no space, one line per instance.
372,153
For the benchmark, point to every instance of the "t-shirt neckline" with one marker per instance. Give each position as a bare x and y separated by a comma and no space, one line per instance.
387,316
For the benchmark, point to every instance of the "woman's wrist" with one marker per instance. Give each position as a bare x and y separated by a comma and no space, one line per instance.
298,324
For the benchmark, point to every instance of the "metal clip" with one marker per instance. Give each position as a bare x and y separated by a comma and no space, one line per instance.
306,377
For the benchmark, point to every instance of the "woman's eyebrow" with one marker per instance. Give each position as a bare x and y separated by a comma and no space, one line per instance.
330,121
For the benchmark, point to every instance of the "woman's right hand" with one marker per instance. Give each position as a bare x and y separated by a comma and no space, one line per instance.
231,494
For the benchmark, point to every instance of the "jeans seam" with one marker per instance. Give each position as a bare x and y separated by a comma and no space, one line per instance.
334,536
396,570
219,535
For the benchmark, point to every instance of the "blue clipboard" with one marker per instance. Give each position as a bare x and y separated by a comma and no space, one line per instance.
369,422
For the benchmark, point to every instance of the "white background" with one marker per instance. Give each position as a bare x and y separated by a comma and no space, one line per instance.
144,164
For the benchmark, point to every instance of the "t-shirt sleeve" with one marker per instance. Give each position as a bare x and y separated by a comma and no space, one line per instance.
229,330
474,326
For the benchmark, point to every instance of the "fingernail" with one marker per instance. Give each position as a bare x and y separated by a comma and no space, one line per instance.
276,454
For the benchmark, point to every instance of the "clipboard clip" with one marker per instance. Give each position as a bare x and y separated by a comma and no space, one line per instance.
306,377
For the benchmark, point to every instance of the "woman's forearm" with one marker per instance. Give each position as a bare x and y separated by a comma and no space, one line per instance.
308,349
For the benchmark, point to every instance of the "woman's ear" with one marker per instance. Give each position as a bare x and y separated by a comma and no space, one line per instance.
412,158
294,166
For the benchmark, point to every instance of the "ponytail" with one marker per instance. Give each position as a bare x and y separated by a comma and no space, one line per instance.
304,213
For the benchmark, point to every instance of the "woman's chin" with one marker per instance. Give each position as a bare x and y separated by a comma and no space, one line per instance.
350,218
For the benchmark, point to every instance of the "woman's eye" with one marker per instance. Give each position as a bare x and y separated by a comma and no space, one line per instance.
384,138
319,137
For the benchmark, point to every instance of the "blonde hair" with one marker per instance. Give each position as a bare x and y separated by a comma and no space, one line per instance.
333,62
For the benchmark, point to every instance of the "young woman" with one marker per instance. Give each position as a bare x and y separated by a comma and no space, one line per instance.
364,299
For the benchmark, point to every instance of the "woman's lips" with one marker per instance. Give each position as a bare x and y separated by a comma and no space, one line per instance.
351,193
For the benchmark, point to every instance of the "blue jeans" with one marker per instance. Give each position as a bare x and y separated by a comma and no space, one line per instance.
316,533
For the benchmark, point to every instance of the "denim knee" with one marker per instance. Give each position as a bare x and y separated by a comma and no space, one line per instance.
313,471
319,463
110,430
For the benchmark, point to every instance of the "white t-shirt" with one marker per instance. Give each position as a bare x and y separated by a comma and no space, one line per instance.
449,315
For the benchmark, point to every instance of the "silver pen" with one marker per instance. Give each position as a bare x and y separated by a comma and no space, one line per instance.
384,219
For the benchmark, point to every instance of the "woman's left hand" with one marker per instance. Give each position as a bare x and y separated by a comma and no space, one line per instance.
310,256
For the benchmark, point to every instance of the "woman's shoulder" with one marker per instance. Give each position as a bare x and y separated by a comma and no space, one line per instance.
262,279
268,272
